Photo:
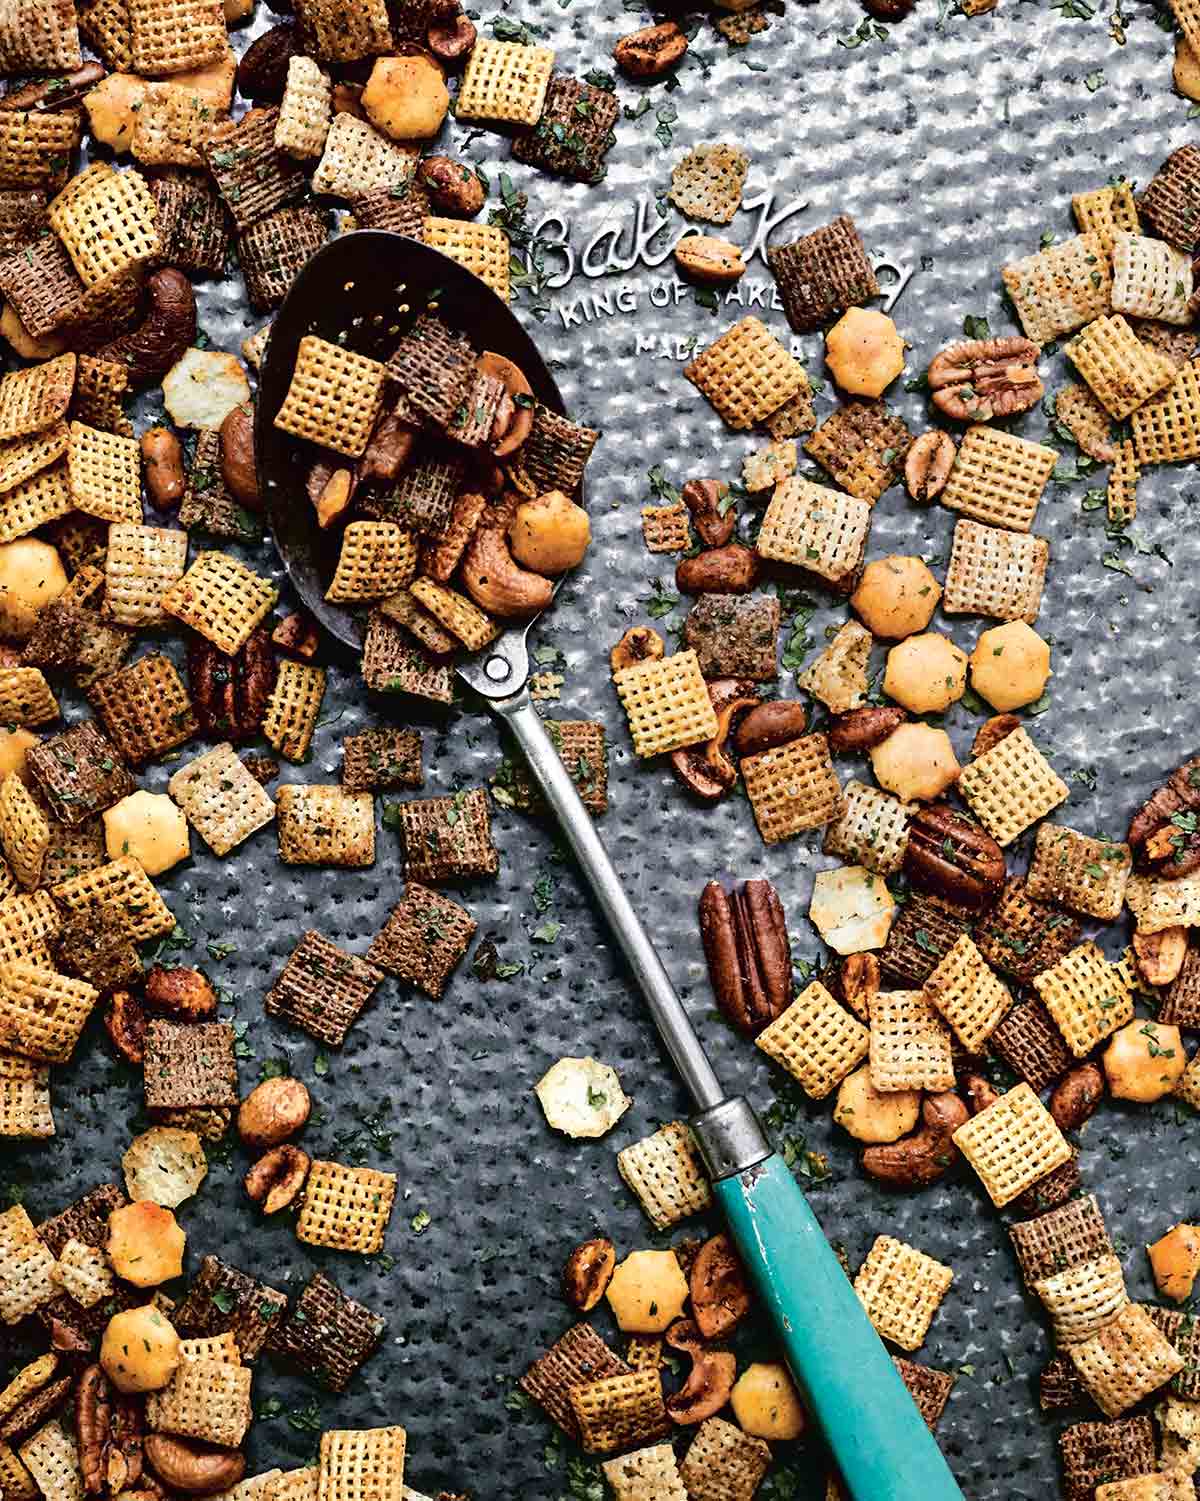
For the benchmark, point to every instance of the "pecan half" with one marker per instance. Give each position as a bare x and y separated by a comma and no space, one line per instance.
231,693
650,52
862,729
125,1023
853,980
927,465
713,519
953,857
745,941
48,95
992,731
985,378
1165,831
109,1432
588,1272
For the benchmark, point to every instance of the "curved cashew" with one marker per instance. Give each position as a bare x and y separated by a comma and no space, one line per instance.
195,1469
918,1160
169,328
495,582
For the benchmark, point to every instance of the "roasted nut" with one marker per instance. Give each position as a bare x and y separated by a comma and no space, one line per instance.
452,186
262,72
732,569
954,858
277,1177
985,378
713,514
749,957
165,334
918,1160
238,467
649,53
992,731
230,694
451,35
1159,833
108,1428
49,95
273,1111
927,465
194,1468
184,992
692,770
520,423
853,980
861,730
347,100
65,1339
550,533
888,10
719,1290
334,497
1160,955
496,583
708,258
1076,1096
297,634
162,460
710,1381
706,770
640,643
769,726
125,1023
588,1272
979,1092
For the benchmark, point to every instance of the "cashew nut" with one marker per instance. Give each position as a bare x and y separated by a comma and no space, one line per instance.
918,1160
196,1469
496,583
164,336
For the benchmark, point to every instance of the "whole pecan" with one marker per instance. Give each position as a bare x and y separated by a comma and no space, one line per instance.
953,858
732,569
863,729
985,378
714,521
231,693
650,52
1165,831
109,1432
992,731
745,941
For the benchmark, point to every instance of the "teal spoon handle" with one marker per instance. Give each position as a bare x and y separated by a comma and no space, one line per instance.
880,1441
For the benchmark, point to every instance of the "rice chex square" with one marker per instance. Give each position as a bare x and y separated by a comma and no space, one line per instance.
819,530
909,1045
1059,289
998,478
220,799
666,1174
901,1289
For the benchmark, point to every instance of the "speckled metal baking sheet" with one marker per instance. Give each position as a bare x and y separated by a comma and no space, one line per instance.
955,144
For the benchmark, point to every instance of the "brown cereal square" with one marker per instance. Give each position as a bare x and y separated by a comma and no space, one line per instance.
189,1063
557,450
1051,1191
1181,1003
1171,201
925,929
401,207
101,953
1097,1453
345,32
574,132
222,1299
85,1220
582,746
1022,937
329,1335
1066,1237
862,447
145,708
381,760
578,1358
447,838
41,285
79,773
433,369
22,217
1059,1385
666,528
274,249
394,663
930,1389
422,500
734,636
424,939
822,274
193,223
252,177
322,989
1032,1046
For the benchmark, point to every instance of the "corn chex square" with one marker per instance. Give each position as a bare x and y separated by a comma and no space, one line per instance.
816,1040
1106,211
141,564
792,788
360,1464
220,799
484,249
665,1173
1012,1144
746,374
909,1046
998,478
334,397
995,572
1087,995
121,884
24,1098
26,697
325,825
145,708
820,530
1166,429
40,38
1122,372
861,446
1074,870
1122,488
174,36
615,1412
346,1208
505,83
24,832
666,703
42,1013
966,991
901,1289
36,398
1010,787
293,707
1058,290
1125,1361
221,599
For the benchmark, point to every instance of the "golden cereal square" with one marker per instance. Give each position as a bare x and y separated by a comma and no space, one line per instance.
872,830
1012,1144
666,703
141,564
104,472
1172,1485
901,1289
505,83
665,1172
1122,372
337,32
28,922
292,709
325,825
820,530
222,599
334,397
41,38
346,1208
666,528
23,458
1082,1297
108,227
818,1041
24,832
26,697
459,615
909,1046
1010,787
792,788
1087,995
1086,875
723,1463
995,572
1167,428
1126,1361
484,249
746,374
968,994
1106,210
24,1098
174,36
998,478
306,111
121,884
1058,290
36,398
1121,493
649,1474
42,1013
207,1400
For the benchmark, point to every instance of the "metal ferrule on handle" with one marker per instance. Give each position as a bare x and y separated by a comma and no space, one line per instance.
882,1447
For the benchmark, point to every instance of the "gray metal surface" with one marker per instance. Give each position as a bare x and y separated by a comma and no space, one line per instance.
954,145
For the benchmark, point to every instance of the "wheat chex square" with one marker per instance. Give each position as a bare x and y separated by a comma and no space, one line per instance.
424,498
325,825
1029,1042
734,636
327,1333
322,989
816,1040
252,177
424,939
862,447
1066,1237
193,224
401,207
901,1289
79,773
909,1046
334,397
819,530
616,1412
223,1300
392,662
220,799
208,505
1059,289
930,1389
746,374
998,478
344,33
24,1098
119,889
1012,786
189,1064
145,709
22,217
557,450
666,1175
822,274
97,948
382,760
666,703
447,838
346,1208
723,1463
433,368
292,709
578,1357
1012,1144
221,599
574,131
41,285
1171,201
583,749
273,250
1093,1453
967,993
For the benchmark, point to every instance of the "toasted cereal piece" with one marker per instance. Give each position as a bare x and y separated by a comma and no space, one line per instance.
121,884
484,249
765,468
574,130
909,1046
995,572
361,1462
1029,1041
254,349
1011,786
344,34
192,223
1125,1361
447,838
81,542
37,147
220,799
1181,1004
41,39
817,529
357,160
1173,1485
578,1357
1150,279
666,528
251,176
205,1399
649,1474
1088,997
174,36
862,447
22,217
306,110
189,1064
1088,423
208,505
707,183
334,397
402,207
78,773
1059,289
104,471
1105,211
792,788
723,1463
1121,494
24,1102
42,1013
99,951
164,1165
816,1040
77,639
28,920
42,287
25,697
644,1352
1166,428
666,703
51,1457
556,452
968,994
24,832
1012,1144
222,599
1059,1386
998,478
583,749
393,663
327,1334
665,1173
346,1208
26,1265
99,386
1084,874
1121,371
34,399
27,1381
381,760
838,676
325,825
735,636
107,226
145,709
141,564
223,1299
293,707
1171,201
1178,344
746,374
86,1219
22,459
1083,1297
930,1389
505,83
822,274
424,498
1067,1237
376,559
424,939
901,1289
615,1412
872,829
274,249
794,417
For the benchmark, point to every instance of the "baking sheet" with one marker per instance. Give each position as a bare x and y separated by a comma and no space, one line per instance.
954,143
